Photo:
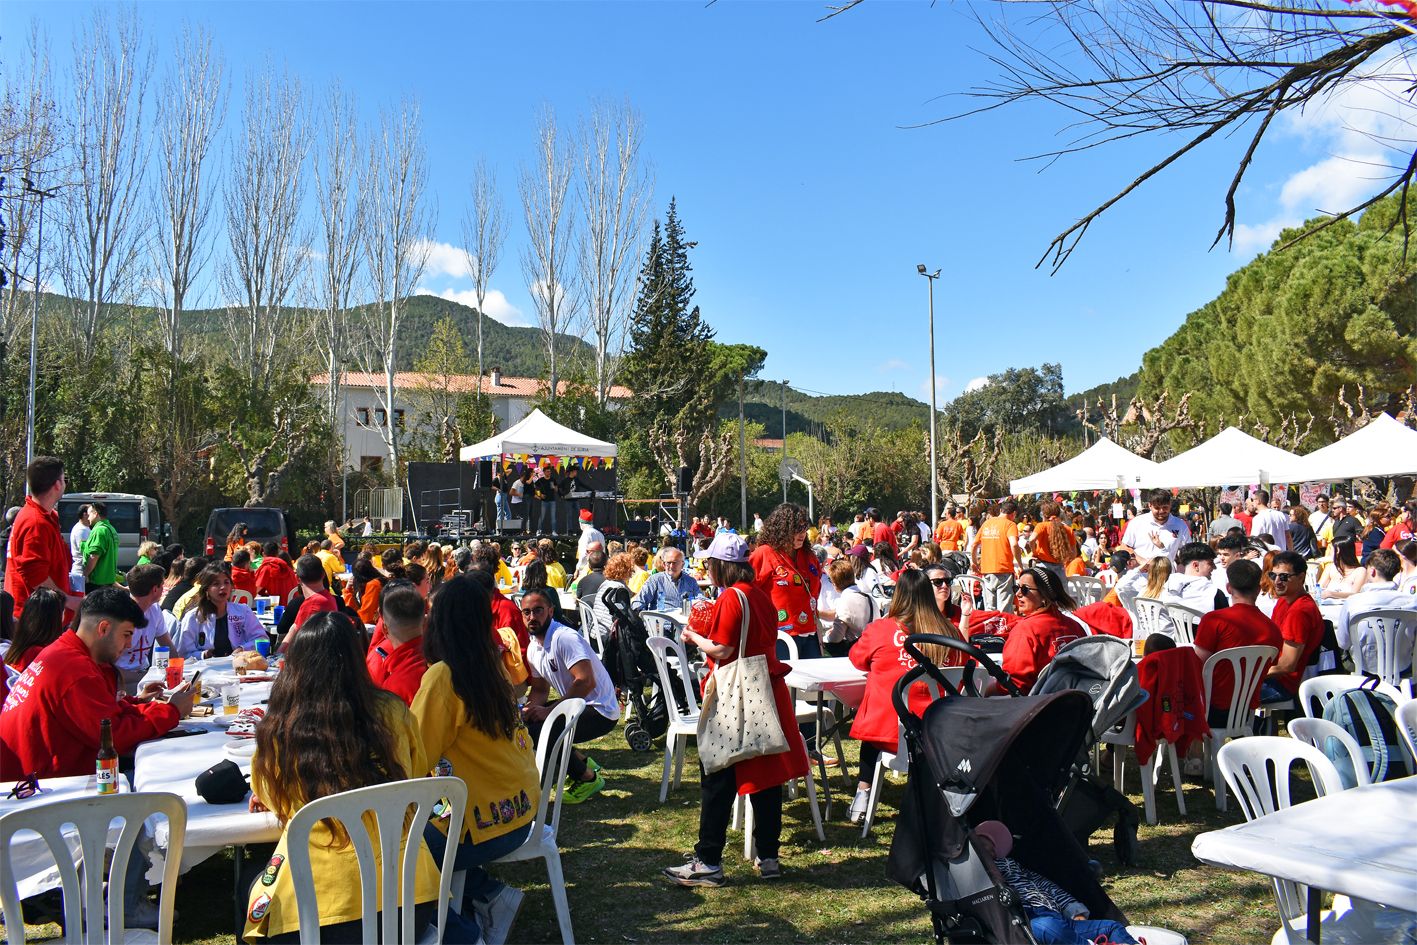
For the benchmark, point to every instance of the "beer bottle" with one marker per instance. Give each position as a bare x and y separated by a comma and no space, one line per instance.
106,766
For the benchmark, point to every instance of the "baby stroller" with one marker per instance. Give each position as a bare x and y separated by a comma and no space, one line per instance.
637,677
973,760
1101,667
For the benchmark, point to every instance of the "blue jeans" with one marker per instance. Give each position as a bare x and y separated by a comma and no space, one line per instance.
548,515
1271,691
1049,926
480,886
504,509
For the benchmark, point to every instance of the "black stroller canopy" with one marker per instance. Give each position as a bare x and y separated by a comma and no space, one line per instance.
966,740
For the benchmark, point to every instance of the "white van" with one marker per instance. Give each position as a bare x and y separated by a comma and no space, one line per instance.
135,518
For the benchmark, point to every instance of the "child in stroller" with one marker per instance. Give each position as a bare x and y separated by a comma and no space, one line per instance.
1054,914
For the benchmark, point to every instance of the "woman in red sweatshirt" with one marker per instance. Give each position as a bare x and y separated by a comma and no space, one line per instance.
1040,599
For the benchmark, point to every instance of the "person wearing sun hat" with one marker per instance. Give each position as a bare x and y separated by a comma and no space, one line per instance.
715,629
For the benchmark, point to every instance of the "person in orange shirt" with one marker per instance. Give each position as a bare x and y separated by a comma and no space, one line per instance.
363,591
994,557
949,534
1054,545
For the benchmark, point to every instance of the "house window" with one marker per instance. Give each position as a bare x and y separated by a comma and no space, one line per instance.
398,417
362,415
380,418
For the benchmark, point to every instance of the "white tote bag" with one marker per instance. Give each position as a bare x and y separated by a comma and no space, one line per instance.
738,719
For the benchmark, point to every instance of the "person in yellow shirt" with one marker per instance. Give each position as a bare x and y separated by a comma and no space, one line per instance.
352,734
468,719
333,563
555,573
640,558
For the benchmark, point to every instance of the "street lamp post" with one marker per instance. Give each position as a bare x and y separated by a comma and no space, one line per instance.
43,195
934,479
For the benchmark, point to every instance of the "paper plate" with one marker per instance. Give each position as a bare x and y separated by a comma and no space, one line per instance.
240,749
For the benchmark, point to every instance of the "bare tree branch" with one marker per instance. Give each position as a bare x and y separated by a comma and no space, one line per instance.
484,231
546,259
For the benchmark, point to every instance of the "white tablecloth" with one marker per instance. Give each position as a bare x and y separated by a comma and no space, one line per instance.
830,674
173,765
34,867
1362,843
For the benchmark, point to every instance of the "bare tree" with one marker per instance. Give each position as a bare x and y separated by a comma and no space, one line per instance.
484,231
614,191
1149,422
966,466
546,259
1203,69
190,106
103,226
395,247
263,199
343,206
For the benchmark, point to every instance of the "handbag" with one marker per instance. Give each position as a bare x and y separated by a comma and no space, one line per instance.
738,719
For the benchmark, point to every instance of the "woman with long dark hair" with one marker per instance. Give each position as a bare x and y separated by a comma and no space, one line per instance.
41,623
717,631
881,653
1054,544
328,729
216,625
787,572
362,593
467,716
236,539
1041,599
1344,575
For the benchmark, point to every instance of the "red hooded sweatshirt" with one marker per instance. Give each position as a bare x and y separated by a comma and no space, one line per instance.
50,723
1176,710
275,578
244,579
37,551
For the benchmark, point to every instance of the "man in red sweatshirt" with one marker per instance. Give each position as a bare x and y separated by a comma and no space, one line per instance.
51,719
396,660
275,577
38,555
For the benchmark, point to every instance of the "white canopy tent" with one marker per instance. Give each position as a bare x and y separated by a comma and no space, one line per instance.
1230,458
1383,446
1103,465
539,435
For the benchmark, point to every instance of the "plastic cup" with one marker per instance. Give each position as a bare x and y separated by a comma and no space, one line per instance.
230,698
263,647
1139,647
174,671
278,612
262,605
161,655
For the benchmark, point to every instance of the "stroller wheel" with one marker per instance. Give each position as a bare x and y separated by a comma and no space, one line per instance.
638,739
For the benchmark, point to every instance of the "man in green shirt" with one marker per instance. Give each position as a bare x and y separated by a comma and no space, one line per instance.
100,550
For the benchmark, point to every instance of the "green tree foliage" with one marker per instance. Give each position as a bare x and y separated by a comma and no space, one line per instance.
1017,399
1337,309
447,412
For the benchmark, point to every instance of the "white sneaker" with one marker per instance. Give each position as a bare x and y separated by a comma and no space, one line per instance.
859,805
498,913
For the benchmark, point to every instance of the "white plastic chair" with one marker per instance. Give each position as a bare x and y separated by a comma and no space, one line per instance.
1258,770
1407,725
243,597
589,629
663,623
1395,634
552,760
1247,665
83,890
1184,621
1108,579
389,803
684,724
969,585
1317,692
1085,590
1320,732
1150,617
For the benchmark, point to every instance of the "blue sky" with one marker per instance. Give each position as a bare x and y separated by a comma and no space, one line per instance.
782,139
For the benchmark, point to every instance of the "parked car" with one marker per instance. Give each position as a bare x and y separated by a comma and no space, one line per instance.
136,519
262,525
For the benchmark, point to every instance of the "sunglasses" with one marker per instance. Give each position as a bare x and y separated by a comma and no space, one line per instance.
939,582
25,788
1024,591
1279,576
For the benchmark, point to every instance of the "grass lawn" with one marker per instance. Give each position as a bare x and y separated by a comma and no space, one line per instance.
615,844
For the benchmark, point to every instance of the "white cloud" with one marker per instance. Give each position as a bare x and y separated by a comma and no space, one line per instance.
1363,127
497,305
941,383
977,384
445,259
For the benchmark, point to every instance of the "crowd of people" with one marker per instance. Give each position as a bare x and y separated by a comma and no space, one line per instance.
398,661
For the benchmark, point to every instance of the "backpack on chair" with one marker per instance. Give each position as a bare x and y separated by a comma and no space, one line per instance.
1371,718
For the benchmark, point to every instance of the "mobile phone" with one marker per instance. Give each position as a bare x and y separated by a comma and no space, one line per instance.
196,684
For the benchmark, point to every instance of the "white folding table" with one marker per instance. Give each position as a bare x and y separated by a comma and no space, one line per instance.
834,676
1361,843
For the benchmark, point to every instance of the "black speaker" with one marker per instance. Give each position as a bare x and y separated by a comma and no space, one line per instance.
484,473
685,481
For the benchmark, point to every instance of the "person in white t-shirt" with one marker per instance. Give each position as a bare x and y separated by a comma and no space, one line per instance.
1271,522
1159,533
77,536
145,587
559,656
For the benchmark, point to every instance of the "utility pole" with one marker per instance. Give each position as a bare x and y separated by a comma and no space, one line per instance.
32,190
742,460
784,436
934,479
